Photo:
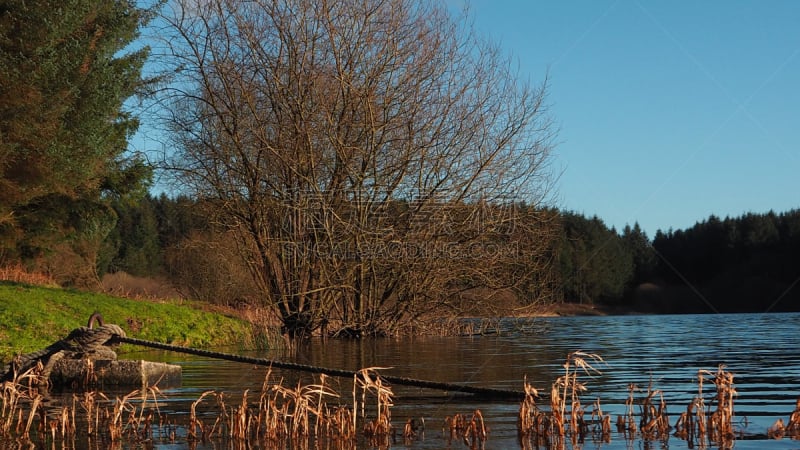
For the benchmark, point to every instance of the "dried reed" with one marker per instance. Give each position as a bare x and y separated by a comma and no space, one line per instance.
378,430
565,417
698,424
300,416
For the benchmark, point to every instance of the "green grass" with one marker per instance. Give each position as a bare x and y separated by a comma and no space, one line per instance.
33,317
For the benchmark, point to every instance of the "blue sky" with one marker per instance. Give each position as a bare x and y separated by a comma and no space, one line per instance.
668,111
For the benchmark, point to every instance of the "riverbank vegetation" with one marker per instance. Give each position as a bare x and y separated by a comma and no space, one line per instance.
34,317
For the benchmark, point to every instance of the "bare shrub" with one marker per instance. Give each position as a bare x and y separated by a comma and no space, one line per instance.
206,266
369,158
68,267
124,284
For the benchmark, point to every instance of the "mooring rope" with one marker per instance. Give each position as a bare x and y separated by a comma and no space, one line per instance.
88,340
449,387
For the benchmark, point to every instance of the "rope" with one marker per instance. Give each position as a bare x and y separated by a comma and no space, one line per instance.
87,340
451,387
80,341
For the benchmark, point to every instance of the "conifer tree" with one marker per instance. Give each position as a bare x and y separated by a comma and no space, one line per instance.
65,74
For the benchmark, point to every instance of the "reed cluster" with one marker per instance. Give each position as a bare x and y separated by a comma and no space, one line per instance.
317,416
279,416
705,421
565,418
472,431
781,429
714,422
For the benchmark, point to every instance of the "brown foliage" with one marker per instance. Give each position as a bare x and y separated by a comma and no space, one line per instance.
126,285
206,266
18,274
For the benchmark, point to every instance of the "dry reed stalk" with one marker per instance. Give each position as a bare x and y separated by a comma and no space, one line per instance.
626,424
602,422
529,417
90,407
370,381
36,400
473,432
270,416
721,422
240,419
67,425
408,432
89,375
663,417
700,407
452,427
116,425
777,430
300,404
700,424
576,362
695,421
532,423
53,429
341,425
295,410
793,426
557,407
194,422
74,412
18,389
654,419
224,420
11,396
320,408
476,432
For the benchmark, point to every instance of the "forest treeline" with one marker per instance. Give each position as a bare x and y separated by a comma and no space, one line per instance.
736,264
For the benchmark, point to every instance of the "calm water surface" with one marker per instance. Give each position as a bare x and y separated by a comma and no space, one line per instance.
762,350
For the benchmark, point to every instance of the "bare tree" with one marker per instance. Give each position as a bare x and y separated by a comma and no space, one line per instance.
375,157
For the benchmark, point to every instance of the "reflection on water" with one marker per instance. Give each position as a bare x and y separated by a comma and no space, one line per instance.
762,350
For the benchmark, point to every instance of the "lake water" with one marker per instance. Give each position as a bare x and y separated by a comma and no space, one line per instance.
762,350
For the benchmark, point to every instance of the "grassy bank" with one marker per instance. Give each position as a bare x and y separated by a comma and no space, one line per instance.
33,317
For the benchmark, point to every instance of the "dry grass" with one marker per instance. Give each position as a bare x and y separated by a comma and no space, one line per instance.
314,415
18,274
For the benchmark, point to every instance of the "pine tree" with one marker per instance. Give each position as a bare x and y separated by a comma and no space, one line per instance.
644,257
65,75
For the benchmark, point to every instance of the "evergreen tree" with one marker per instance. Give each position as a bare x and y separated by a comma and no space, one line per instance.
138,250
64,77
640,249
595,263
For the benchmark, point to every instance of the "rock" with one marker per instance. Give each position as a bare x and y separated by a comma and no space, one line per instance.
105,373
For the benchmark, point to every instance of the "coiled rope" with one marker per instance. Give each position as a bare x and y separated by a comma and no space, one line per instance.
83,341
